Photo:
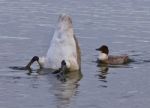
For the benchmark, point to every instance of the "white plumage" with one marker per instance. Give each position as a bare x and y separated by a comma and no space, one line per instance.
63,46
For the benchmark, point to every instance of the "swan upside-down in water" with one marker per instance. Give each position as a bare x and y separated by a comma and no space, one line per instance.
64,51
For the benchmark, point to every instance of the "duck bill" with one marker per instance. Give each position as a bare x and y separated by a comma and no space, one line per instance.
98,49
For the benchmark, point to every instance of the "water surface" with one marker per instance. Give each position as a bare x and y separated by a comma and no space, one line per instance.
26,28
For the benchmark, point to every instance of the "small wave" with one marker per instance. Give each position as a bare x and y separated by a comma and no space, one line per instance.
120,66
44,25
146,61
118,42
144,41
86,37
141,61
8,37
17,68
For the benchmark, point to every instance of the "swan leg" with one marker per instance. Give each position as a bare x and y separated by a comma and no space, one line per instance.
35,58
61,71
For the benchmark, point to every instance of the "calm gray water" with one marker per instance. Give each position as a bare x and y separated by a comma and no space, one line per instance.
26,28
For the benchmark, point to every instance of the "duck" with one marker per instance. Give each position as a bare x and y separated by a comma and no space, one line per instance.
64,50
105,58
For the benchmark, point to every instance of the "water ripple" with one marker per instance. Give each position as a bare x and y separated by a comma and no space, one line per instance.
17,38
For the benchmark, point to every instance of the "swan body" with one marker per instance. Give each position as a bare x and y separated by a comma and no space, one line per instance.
63,46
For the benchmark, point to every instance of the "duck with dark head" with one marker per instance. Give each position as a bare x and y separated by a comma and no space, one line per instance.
105,58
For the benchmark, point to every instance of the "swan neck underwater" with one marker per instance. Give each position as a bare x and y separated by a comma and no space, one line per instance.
64,50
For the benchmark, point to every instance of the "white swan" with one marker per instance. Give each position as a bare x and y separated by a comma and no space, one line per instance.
64,48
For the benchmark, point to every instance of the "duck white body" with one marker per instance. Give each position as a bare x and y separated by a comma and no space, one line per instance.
63,46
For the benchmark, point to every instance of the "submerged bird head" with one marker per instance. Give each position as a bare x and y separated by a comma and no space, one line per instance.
103,49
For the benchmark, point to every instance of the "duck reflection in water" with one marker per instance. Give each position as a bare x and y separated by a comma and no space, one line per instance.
103,71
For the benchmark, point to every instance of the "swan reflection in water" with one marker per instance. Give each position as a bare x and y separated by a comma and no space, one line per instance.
63,90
